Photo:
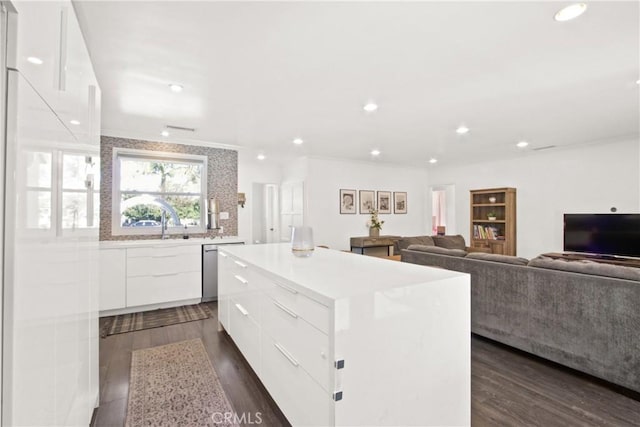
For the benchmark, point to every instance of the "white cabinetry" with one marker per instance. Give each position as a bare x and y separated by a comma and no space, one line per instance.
156,275
113,279
149,276
50,345
339,339
64,76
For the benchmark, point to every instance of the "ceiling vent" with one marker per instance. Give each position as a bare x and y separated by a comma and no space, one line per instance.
546,147
180,128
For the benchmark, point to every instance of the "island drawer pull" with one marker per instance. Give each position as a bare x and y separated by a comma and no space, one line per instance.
163,256
242,310
240,264
286,288
164,274
241,279
285,309
286,354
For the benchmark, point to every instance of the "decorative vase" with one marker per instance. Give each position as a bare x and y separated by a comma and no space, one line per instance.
374,232
302,241
492,218
492,199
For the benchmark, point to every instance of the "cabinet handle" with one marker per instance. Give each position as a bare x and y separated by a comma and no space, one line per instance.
286,288
241,279
162,256
240,264
62,65
164,274
242,310
222,254
286,354
285,309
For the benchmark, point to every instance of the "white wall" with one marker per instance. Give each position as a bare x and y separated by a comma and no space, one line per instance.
325,178
251,170
589,179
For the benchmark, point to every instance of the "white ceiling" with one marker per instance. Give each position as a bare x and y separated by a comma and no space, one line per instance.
259,74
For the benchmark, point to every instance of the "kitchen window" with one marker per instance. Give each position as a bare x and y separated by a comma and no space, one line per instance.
150,186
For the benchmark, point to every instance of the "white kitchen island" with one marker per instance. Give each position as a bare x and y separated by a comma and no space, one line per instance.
350,340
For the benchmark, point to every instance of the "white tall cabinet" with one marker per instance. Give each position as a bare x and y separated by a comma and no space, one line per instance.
50,342
347,340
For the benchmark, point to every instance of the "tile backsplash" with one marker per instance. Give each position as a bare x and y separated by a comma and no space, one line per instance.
222,181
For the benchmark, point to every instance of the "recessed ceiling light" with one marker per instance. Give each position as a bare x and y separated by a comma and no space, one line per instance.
570,12
176,88
432,160
74,122
298,141
375,152
164,133
638,82
35,60
370,107
522,144
261,157
462,130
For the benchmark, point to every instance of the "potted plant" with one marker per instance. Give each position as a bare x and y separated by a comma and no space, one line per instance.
374,224
491,216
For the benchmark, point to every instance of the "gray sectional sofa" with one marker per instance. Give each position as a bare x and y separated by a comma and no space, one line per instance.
581,314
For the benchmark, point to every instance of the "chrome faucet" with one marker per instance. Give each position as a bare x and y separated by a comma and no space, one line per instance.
163,225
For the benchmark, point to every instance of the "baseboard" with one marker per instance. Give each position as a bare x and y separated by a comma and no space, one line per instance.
138,309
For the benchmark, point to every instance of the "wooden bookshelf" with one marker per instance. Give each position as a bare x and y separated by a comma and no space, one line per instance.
498,235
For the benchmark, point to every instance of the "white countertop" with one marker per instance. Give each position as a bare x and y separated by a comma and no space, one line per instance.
331,274
115,244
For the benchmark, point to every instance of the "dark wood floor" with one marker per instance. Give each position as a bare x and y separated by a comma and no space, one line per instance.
508,388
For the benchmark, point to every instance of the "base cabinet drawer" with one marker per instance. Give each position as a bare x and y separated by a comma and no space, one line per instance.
245,333
299,397
162,288
306,343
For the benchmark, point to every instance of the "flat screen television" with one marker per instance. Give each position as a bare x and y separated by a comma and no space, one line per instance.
603,234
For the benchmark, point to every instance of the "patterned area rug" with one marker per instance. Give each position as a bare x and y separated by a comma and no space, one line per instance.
175,385
153,319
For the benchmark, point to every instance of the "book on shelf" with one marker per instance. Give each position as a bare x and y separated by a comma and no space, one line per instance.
486,232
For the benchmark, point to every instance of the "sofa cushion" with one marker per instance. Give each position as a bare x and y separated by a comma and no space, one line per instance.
405,242
437,250
507,259
587,267
450,242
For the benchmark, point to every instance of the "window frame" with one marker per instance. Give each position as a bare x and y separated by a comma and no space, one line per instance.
116,194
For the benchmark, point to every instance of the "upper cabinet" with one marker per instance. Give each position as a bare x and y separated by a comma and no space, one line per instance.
53,57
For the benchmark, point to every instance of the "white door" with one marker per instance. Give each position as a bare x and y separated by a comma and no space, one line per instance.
271,217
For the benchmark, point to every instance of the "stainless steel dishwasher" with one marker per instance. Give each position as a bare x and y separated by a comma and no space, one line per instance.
210,270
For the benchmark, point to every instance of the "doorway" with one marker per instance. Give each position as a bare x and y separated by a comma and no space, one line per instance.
443,219
265,213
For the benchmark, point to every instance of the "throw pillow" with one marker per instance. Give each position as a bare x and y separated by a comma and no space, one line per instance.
405,242
450,242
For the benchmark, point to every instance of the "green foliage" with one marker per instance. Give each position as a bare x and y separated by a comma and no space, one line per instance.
142,212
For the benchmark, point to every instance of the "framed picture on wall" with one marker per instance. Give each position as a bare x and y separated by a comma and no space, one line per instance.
347,201
400,202
367,201
384,202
